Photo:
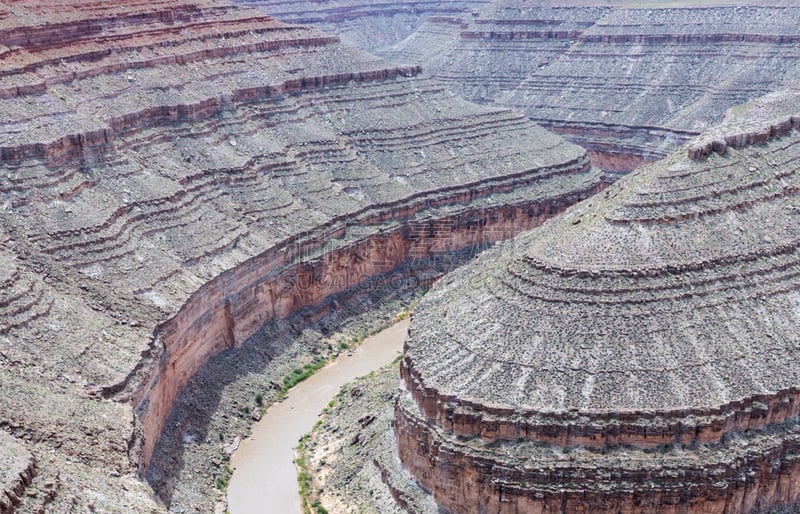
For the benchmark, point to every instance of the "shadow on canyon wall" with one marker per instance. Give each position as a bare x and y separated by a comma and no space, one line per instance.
190,420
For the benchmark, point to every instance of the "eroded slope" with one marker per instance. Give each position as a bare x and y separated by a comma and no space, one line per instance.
638,352
368,25
628,80
176,174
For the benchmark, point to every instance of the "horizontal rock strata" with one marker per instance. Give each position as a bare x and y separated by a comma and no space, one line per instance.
306,270
367,25
637,353
751,475
176,174
629,82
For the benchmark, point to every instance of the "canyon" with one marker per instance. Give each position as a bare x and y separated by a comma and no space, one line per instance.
177,175
630,81
637,353
264,464
185,184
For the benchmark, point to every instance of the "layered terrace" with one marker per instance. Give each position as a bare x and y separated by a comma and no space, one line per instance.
174,175
657,318
628,80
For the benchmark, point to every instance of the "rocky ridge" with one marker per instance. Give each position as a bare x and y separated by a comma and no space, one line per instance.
176,174
628,81
372,26
638,352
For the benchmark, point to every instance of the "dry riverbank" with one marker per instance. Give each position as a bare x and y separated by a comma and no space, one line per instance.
349,461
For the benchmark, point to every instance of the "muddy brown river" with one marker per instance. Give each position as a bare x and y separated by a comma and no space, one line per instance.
264,477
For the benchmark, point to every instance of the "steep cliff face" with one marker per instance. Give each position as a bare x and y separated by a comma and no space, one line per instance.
175,174
628,82
636,353
751,474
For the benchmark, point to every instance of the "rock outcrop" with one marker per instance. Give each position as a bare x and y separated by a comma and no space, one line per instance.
638,353
177,173
629,82
17,469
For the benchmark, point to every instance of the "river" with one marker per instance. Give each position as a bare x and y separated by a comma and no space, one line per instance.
264,478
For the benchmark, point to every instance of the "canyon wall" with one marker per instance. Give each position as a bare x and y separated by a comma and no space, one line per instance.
629,82
464,477
315,266
636,353
371,26
177,173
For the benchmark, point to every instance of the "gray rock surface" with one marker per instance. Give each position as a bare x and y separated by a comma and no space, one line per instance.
662,312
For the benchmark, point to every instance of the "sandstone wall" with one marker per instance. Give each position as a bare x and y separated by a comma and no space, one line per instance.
302,273
462,480
173,174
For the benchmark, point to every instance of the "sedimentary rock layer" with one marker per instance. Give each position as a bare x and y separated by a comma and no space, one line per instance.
176,173
367,25
630,82
652,329
753,473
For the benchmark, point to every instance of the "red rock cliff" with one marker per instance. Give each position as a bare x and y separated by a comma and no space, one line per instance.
175,174
637,353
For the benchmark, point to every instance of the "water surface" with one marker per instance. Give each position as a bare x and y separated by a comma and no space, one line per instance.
264,478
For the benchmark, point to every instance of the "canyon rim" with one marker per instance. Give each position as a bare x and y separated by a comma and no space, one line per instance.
185,185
